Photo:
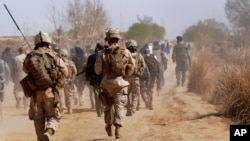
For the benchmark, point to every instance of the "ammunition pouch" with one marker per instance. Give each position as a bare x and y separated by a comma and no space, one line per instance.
61,80
28,85
105,99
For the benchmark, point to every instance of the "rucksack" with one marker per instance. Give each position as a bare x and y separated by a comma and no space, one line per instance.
39,67
115,61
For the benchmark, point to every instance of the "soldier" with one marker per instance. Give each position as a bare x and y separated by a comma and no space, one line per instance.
44,108
134,87
69,88
19,74
94,79
114,62
153,67
181,56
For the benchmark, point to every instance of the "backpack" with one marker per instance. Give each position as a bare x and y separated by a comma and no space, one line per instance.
39,68
115,61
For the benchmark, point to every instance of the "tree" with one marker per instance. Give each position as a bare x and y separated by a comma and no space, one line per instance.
56,18
206,33
88,22
145,19
238,13
144,32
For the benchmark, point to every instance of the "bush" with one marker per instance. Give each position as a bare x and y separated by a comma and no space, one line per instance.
201,73
233,88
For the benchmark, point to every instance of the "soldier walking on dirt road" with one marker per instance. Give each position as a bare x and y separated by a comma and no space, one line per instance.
134,81
47,78
181,57
69,88
114,62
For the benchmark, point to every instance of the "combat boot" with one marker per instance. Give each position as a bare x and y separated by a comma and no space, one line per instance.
109,129
129,113
146,104
69,111
46,136
18,102
76,101
118,131
178,82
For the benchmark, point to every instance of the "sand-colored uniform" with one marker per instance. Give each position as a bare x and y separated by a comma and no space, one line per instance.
134,81
115,87
43,106
69,89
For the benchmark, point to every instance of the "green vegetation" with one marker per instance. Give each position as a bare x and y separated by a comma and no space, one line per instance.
143,32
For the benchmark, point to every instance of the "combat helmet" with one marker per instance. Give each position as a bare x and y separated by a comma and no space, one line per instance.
42,37
112,33
130,43
64,52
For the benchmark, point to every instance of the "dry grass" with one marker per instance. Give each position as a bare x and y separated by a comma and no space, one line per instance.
201,73
233,88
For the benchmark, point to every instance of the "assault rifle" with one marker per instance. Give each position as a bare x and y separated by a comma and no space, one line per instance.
17,25
80,72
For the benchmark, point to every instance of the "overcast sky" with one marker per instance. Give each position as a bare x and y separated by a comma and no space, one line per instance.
174,15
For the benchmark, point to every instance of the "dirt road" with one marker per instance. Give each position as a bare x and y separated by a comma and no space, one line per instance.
178,116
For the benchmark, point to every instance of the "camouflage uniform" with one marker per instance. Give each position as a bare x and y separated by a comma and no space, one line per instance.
181,57
69,88
19,74
44,108
134,81
115,87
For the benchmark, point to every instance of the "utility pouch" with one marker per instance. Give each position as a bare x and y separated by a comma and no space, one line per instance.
57,110
32,112
103,98
28,86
